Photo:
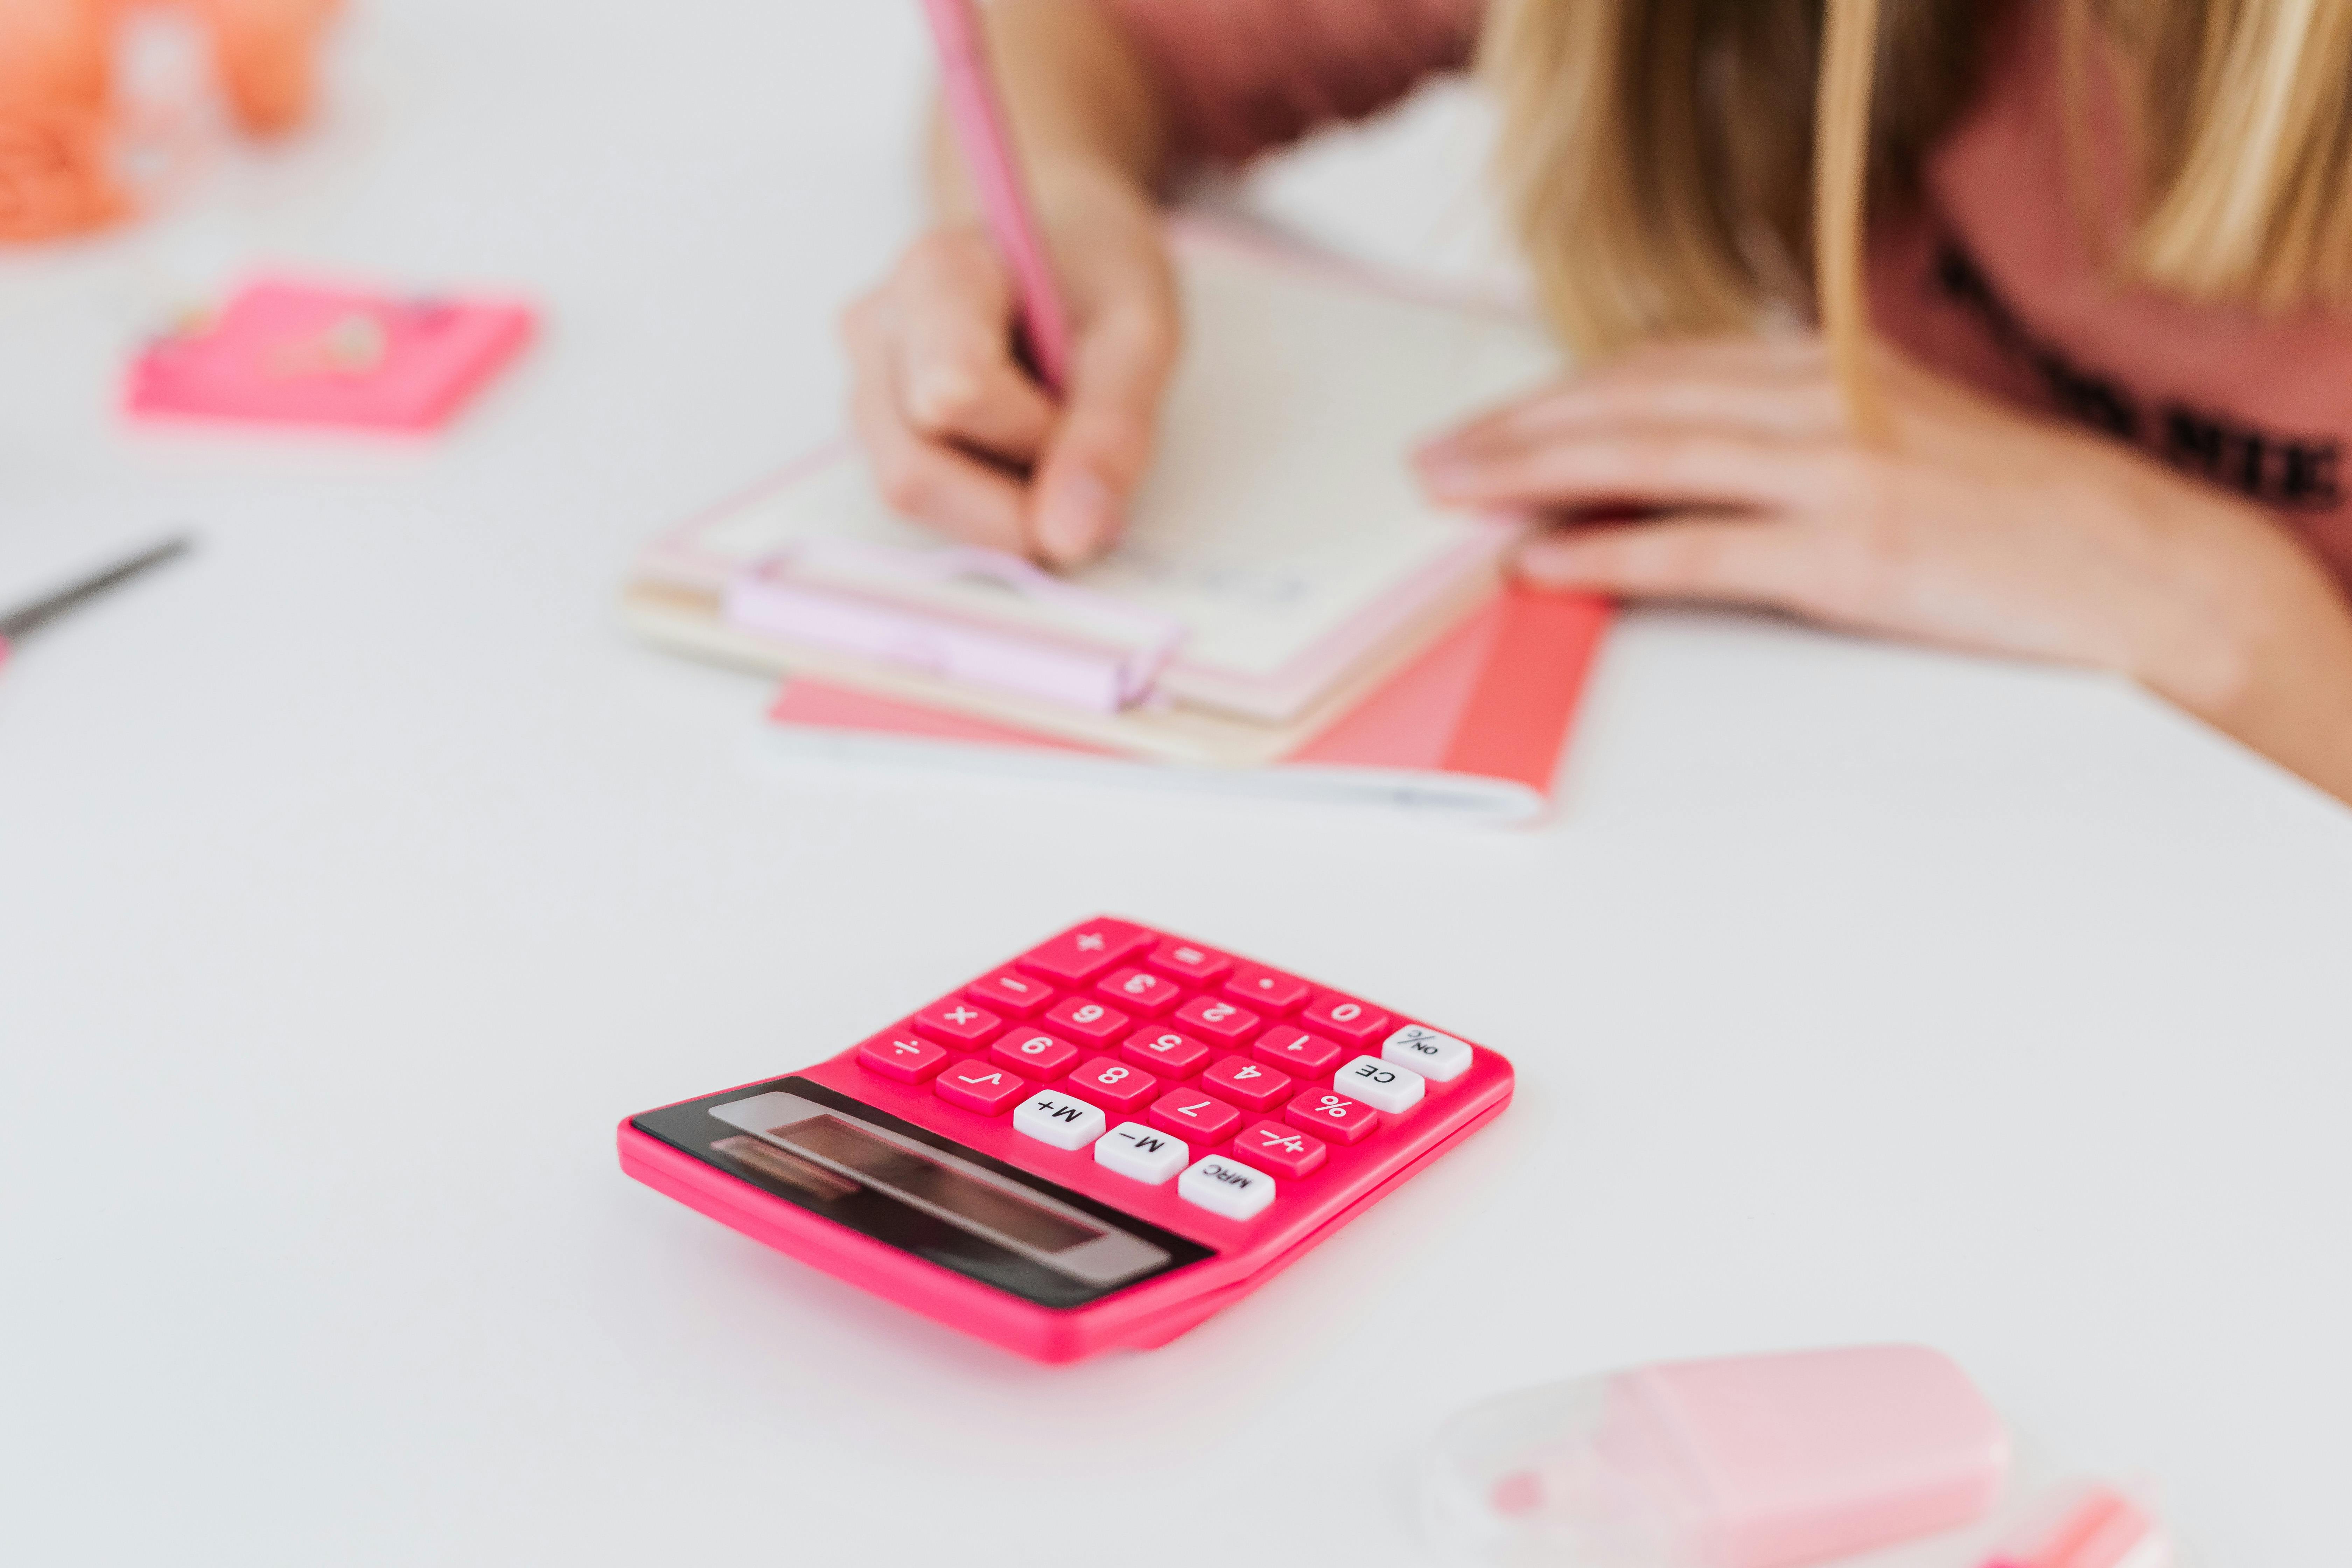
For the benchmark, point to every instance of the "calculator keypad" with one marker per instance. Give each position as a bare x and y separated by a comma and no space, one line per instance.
1176,1066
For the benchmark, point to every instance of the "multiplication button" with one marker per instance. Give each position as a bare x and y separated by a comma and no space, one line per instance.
1440,1058
1142,1153
1381,1085
1061,1120
1225,1186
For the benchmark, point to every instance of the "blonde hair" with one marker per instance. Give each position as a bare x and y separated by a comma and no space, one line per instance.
1678,166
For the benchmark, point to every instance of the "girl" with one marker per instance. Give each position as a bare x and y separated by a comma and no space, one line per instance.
2074,375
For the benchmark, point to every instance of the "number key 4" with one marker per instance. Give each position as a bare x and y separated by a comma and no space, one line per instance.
1245,1082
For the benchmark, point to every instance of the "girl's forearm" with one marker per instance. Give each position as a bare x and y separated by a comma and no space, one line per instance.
1083,107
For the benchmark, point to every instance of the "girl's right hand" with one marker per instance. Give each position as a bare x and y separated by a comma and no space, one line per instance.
958,431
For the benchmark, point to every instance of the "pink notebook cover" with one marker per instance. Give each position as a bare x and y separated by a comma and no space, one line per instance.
1492,701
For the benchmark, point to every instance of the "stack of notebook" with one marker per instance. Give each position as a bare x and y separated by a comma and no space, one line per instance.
1285,613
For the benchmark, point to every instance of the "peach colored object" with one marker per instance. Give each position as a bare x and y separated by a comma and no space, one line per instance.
60,119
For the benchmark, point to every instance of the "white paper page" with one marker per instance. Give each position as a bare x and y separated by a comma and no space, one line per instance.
1280,507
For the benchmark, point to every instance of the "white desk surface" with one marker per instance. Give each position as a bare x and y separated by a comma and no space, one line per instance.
359,876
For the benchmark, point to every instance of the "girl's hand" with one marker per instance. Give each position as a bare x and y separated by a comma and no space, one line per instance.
958,431
1978,526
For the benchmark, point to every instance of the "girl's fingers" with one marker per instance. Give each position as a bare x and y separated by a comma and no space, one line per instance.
1725,560
1652,466
1771,385
920,478
951,312
1098,454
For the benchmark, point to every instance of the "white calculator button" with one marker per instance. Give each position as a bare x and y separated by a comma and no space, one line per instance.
1060,1120
1428,1053
1383,1084
1145,1153
1225,1186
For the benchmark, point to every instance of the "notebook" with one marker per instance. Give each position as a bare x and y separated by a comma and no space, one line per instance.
1279,538
1473,727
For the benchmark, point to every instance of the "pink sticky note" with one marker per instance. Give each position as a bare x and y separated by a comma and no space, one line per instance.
284,353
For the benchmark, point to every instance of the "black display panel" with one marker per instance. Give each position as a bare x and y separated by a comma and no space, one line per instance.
864,1168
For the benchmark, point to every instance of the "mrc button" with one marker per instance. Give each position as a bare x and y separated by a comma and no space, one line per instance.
1225,1186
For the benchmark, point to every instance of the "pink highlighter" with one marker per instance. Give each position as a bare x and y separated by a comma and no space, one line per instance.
1764,1462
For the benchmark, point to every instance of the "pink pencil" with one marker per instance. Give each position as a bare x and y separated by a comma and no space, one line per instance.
977,116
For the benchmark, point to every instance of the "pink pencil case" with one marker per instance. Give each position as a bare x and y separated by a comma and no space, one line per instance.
287,352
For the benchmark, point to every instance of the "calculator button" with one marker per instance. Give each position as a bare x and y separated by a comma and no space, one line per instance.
1141,991
1269,990
1010,992
1225,1186
1284,1151
1061,1120
981,1086
1332,1116
1109,1082
956,1022
1428,1053
1185,961
1383,1084
1093,1022
1245,1082
1344,1017
1226,1021
902,1054
1142,1153
1296,1050
1192,1114
1081,954
1038,1055
1165,1051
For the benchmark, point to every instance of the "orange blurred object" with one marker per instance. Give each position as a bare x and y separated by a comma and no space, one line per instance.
59,117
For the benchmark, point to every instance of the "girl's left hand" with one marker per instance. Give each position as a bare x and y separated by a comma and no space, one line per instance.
1977,527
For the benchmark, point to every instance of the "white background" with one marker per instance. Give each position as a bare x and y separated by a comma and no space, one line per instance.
359,875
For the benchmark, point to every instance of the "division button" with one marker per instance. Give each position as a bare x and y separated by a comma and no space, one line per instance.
1225,1186
1383,1084
1061,1120
1142,1153
1441,1058
903,1054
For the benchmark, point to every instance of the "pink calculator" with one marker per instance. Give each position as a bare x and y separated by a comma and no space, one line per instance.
1097,1143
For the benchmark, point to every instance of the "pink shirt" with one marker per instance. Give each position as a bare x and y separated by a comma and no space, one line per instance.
1993,281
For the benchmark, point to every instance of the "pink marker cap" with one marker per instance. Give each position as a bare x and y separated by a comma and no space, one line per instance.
1767,1461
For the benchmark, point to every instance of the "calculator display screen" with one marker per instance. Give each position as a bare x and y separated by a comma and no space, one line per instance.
843,1146
920,1192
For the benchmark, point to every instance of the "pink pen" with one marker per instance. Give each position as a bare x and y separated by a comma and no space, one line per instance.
2088,1527
977,116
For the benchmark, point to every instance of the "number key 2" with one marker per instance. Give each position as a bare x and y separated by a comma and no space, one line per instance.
1332,1116
1140,989
1226,1021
